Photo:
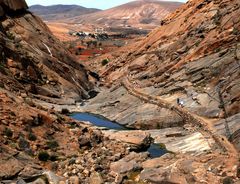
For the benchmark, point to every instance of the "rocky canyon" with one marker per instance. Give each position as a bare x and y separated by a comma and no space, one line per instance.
167,101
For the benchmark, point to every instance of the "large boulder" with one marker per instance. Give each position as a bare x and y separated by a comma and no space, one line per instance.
138,140
131,162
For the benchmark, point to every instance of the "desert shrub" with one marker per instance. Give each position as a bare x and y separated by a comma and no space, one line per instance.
43,156
65,111
32,137
10,35
228,180
105,62
235,31
8,132
23,144
1,84
52,144
2,68
53,158
60,118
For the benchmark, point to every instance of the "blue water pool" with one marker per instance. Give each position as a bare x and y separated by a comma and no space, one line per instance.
97,120
155,150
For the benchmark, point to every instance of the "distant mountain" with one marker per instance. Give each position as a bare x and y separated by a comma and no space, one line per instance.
59,12
136,14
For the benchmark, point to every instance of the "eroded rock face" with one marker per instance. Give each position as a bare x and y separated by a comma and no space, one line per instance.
15,4
12,5
235,138
37,62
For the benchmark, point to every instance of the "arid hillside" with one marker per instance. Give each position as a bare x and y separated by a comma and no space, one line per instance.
35,62
196,47
141,14
59,12
193,56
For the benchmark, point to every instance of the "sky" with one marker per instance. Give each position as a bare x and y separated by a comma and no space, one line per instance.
100,4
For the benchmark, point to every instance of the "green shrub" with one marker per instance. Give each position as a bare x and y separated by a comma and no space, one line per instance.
65,111
52,144
105,62
2,68
53,158
60,118
32,137
10,35
43,156
228,180
8,132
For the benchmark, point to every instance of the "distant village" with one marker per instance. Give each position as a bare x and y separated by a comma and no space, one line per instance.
114,33
99,34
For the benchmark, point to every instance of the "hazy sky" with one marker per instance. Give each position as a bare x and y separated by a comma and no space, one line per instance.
101,4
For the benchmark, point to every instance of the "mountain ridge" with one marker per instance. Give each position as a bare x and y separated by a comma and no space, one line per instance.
138,13
60,11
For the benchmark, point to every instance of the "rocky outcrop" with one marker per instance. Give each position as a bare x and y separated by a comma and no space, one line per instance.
35,62
138,140
14,4
7,6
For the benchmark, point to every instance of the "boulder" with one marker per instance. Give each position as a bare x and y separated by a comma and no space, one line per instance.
89,138
139,140
161,175
129,163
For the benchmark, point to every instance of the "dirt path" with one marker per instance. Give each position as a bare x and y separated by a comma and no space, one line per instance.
203,126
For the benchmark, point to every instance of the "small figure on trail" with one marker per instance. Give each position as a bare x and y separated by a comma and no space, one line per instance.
180,102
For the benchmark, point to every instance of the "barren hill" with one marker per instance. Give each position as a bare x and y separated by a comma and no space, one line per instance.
59,12
137,14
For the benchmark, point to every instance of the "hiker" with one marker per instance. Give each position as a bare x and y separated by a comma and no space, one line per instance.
180,102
